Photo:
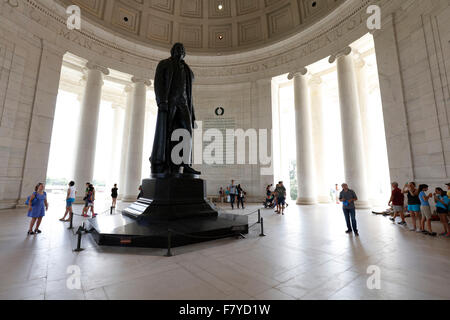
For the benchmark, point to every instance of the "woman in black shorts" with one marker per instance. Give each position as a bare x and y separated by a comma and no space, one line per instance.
114,195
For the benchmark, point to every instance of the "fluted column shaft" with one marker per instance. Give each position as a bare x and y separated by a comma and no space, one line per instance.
318,118
305,148
115,147
367,123
87,135
125,137
136,140
352,133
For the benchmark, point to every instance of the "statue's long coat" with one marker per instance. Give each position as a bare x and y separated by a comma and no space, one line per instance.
166,92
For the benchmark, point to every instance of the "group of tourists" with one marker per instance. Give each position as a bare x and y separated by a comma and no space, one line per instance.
419,208
37,204
233,194
276,198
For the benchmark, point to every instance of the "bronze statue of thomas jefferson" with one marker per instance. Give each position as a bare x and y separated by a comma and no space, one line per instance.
173,90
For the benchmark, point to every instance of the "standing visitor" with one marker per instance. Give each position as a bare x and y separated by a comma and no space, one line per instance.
114,195
240,196
448,190
37,205
280,192
397,201
413,203
70,199
348,198
233,191
442,202
90,198
221,195
425,209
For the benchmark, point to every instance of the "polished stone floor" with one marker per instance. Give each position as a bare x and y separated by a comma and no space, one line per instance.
305,255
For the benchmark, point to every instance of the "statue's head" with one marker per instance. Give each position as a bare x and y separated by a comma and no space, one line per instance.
178,52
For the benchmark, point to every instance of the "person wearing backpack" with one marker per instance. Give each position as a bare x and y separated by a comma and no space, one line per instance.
37,205
442,202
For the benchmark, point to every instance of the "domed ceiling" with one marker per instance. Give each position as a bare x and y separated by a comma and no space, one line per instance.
205,26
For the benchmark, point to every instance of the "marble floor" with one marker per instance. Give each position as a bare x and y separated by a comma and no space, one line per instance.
305,255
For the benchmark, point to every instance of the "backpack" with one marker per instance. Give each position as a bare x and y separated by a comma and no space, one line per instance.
29,198
27,202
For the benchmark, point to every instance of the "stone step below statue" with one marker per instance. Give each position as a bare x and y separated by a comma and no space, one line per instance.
175,203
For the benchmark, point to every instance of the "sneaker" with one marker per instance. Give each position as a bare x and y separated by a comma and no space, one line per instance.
357,233
423,231
412,229
433,234
402,223
348,231
443,234
392,219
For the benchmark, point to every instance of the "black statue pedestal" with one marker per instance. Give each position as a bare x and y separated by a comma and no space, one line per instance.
175,203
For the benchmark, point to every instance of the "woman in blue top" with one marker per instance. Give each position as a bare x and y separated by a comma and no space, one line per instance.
36,208
442,201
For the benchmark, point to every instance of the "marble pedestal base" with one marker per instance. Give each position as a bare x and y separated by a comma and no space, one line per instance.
172,204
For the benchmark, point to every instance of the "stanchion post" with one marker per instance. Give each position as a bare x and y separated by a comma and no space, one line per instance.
259,215
169,244
71,221
79,233
262,228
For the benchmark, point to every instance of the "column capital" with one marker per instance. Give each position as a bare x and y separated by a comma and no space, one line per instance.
146,82
301,72
93,66
344,52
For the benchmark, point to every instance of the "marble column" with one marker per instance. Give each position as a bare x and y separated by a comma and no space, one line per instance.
87,135
136,140
115,146
352,133
368,125
318,118
305,149
125,137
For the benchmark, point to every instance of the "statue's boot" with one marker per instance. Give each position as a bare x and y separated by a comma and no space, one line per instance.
190,170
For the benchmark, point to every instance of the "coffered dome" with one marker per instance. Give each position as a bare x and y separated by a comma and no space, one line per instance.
205,26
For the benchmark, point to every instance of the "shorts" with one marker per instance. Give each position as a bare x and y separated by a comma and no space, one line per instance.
414,207
281,201
397,208
426,211
69,202
440,210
